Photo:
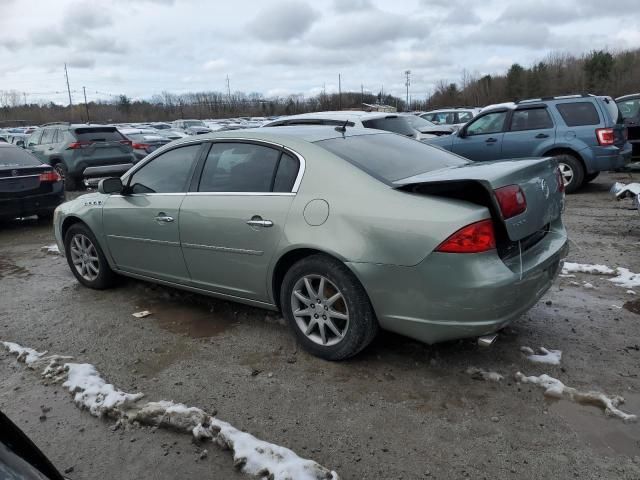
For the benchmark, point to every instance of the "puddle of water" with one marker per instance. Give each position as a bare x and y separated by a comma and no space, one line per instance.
605,435
194,320
633,306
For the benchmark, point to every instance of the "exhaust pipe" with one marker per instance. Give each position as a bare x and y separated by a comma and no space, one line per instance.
487,340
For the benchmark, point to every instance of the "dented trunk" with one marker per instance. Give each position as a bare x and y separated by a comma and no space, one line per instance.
476,182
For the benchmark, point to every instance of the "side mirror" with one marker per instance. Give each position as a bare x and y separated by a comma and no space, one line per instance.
462,132
110,185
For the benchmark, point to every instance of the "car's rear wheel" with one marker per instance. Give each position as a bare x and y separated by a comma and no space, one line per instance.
86,259
70,182
327,308
572,172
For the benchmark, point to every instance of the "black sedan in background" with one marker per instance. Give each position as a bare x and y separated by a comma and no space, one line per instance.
27,186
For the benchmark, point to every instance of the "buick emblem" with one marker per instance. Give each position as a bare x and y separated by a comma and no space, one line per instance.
544,187
14,173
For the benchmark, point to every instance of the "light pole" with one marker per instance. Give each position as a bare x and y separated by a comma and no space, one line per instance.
407,74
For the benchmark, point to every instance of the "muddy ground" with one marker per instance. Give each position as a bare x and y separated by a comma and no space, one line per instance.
400,410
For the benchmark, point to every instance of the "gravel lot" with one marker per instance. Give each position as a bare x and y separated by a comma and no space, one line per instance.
400,410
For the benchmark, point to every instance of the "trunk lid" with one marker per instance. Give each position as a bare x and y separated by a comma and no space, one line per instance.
20,181
477,181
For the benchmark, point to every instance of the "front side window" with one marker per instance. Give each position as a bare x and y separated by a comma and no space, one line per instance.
489,123
34,138
169,172
578,114
239,167
47,136
464,117
531,119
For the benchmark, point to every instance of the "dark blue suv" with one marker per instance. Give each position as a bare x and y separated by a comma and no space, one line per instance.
585,133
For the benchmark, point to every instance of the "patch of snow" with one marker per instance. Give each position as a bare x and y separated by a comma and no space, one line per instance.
587,285
142,314
556,389
550,357
25,355
91,391
570,267
616,306
479,374
567,275
631,292
626,278
53,248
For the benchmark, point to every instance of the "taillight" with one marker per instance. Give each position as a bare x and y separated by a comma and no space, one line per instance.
511,200
141,146
606,136
126,142
475,238
560,180
50,177
76,145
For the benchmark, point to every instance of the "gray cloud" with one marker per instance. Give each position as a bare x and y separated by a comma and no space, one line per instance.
283,21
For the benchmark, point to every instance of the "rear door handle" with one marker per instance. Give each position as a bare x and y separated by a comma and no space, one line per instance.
542,135
257,221
491,140
163,218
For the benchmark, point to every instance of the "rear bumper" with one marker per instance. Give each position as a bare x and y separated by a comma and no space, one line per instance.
609,158
31,205
452,296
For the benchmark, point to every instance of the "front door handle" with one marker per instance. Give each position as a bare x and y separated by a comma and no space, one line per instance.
163,218
491,140
257,221
542,135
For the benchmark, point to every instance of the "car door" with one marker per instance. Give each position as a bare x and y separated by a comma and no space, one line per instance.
481,139
530,132
231,226
142,224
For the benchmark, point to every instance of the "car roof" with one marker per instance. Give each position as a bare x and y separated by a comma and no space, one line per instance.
631,96
341,115
452,109
307,133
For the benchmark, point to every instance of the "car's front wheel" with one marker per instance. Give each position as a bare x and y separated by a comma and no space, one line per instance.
327,308
86,259
572,172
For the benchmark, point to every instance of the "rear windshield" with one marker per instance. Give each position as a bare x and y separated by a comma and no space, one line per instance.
102,134
194,123
612,110
390,157
391,124
578,114
17,157
419,122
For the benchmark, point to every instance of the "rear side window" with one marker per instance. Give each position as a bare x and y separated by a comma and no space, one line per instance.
390,157
391,124
106,134
167,173
47,136
16,157
239,167
286,174
578,114
531,119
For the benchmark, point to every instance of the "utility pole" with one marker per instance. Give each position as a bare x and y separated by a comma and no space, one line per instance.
228,89
66,74
86,105
407,74
339,92
361,95
24,94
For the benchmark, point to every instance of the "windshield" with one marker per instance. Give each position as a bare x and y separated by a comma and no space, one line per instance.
419,122
390,157
392,123
629,108
194,123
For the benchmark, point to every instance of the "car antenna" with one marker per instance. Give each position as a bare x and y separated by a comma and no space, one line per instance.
342,128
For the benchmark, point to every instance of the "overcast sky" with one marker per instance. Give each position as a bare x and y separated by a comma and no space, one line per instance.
277,47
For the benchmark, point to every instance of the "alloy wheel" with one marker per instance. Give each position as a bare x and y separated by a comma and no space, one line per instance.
320,310
567,173
84,257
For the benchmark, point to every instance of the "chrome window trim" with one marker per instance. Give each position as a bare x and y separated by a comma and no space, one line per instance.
161,150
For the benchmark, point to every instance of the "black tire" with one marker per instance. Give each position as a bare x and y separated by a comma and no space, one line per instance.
575,167
105,277
590,177
362,324
70,182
